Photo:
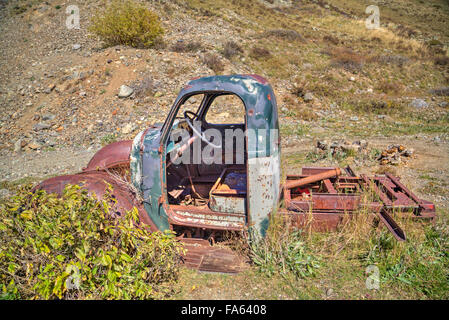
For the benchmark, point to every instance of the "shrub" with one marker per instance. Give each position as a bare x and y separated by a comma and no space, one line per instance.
260,53
108,139
144,87
212,61
286,34
231,49
127,23
182,46
71,248
346,59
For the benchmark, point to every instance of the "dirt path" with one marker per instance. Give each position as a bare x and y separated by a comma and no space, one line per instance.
42,164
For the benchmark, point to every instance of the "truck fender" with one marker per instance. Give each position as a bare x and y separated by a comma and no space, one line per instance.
97,183
111,156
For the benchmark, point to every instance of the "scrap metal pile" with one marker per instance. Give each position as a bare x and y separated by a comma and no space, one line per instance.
329,195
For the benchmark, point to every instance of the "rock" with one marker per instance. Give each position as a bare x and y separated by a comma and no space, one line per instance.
355,118
76,46
418,103
408,152
50,88
34,145
50,142
83,94
125,91
443,104
351,79
323,145
48,116
362,143
307,65
41,126
308,97
128,128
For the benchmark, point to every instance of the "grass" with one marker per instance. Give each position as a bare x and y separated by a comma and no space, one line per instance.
414,269
108,138
213,62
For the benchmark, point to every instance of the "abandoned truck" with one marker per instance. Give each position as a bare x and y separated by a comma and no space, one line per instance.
232,182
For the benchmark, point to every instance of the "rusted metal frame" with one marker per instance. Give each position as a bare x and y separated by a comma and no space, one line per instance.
328,202
313,178
209,218
371,184
318,221
410,194
329,186
401,200
383,215
391,225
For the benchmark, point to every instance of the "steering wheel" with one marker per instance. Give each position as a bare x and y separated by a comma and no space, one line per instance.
202,137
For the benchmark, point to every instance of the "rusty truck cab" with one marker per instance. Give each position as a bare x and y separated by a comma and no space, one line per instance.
197,174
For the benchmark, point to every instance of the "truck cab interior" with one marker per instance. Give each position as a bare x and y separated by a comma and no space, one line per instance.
206,162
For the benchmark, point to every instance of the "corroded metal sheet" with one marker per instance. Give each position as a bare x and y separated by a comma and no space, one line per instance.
202,256
112,155
263,191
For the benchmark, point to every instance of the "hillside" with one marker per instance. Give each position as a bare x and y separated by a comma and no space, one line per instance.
335,80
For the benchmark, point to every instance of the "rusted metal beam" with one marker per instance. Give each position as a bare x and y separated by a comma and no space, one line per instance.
313,178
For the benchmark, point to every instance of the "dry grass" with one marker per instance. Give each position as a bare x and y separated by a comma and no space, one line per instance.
260,53
346,58
182,46
231,49
284,34
387,86
213,62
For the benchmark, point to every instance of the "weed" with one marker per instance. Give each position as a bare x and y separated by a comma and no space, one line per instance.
213,62
71,248
285,34
260,53
283,251
145,87
346,58
182,46
442,60
231,49
108,139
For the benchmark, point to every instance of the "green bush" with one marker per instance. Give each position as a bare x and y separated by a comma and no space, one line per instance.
127,23
71,248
